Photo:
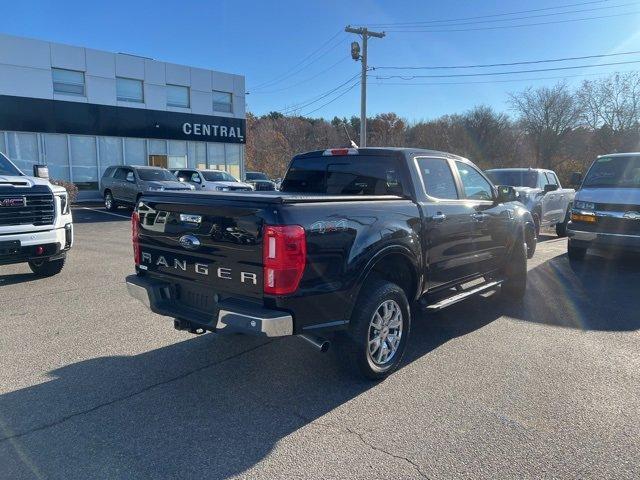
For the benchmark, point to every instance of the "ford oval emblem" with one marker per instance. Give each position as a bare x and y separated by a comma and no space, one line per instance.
189,242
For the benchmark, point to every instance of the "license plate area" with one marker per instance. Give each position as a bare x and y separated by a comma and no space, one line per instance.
11,247
202,299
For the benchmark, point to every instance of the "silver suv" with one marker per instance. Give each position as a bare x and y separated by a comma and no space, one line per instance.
123,185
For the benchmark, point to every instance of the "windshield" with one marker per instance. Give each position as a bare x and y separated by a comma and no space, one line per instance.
219,177
8,168
156,175
256,176
348,175
614,172
514,178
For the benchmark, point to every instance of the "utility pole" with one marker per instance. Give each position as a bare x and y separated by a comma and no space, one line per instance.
355,54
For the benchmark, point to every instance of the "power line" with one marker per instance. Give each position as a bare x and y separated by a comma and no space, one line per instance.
334,99
421,24
342,60
306,103
488,65
488,16
535,70
288,73
517,25
503,81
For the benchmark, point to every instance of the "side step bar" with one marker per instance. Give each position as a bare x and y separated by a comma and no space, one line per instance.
447,302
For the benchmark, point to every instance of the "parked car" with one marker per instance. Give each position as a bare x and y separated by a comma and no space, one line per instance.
259,181
540,191
354,241
606,210
35,220
212,180
123,185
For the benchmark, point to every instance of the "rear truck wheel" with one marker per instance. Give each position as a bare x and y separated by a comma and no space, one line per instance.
575,253
378,330
561,228
531,239
515,272
47,268
109,203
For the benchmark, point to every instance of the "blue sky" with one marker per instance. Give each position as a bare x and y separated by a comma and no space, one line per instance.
267,40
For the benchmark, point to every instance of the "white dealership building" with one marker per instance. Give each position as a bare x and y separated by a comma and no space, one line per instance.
80,110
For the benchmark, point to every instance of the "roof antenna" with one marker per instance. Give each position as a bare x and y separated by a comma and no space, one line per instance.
353,144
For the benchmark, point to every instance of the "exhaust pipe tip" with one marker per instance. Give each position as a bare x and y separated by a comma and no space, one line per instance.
322,344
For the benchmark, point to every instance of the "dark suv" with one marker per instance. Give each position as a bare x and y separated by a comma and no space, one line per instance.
123,185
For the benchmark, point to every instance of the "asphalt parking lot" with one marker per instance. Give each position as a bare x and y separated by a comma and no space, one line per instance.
92,385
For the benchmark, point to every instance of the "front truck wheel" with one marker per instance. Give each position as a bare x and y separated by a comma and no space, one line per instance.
515,272
561,228
47,268
378,330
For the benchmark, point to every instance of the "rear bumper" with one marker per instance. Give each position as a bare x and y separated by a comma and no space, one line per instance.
231,316
620,241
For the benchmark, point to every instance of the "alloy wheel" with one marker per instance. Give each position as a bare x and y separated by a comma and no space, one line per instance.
385,332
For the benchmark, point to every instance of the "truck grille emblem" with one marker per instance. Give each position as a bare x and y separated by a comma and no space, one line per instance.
189,242
13,202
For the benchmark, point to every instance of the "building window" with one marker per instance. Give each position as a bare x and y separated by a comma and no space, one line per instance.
68,82
129,90
222,102
177,96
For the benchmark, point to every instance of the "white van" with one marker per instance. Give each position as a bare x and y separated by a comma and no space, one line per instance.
606,209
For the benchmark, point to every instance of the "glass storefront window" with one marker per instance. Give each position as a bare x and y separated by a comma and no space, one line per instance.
84,161
216,156
157,147
110,152
135,151
197,155
23,150
233,159
56,155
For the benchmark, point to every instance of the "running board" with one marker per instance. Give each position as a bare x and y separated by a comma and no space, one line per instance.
462,296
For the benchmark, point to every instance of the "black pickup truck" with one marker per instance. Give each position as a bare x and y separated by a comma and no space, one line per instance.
352,243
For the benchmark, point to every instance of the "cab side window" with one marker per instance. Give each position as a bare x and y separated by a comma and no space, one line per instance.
475,186
438,179
121,174
130,177
551,178
195,177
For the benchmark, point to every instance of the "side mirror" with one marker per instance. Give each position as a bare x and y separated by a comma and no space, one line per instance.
550,187
506,193
576,179
41,171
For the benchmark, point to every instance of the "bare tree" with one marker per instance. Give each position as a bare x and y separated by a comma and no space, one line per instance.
612,102
547,115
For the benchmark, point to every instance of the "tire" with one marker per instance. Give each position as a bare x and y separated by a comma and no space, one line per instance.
109,203
536,223
359,348
575,253
531,239
47,268
515,272
561,228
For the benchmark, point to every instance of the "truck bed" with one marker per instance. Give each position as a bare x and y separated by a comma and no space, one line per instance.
273,197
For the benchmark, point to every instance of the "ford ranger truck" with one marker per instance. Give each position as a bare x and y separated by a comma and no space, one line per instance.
606,210
35,221
353,244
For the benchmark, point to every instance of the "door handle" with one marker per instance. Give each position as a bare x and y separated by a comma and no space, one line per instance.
439,217
479,217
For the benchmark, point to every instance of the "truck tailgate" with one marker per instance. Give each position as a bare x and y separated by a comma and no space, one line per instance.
206,244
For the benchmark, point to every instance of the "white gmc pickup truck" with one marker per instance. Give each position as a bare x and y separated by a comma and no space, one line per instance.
35,221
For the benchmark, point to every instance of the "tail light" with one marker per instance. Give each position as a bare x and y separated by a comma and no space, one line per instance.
135,236
284,254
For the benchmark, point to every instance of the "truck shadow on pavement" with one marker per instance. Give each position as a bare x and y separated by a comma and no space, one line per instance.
597,293
206,407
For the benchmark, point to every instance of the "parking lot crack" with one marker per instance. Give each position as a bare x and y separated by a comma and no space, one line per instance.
382,450
127,397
